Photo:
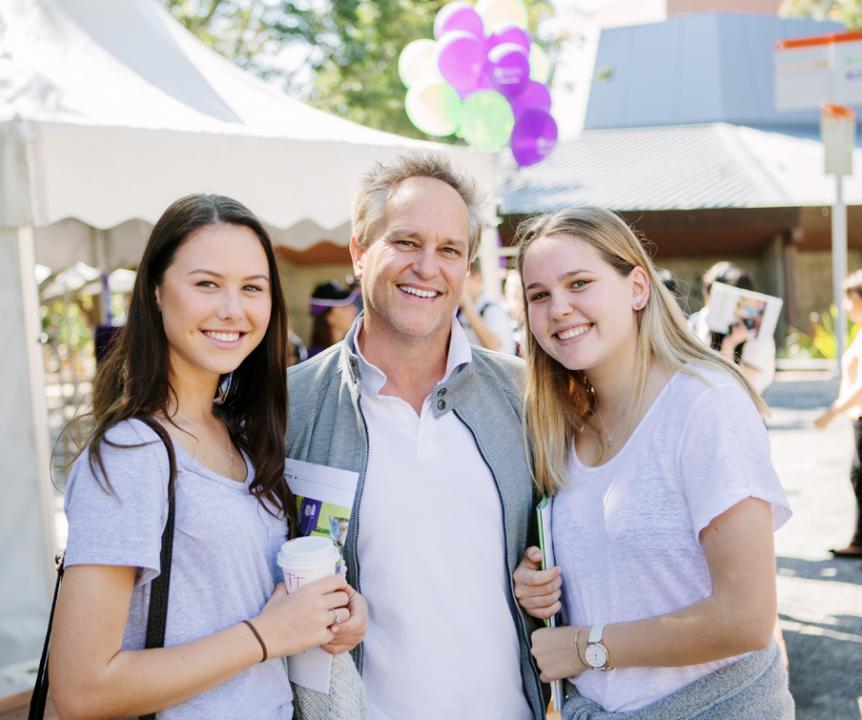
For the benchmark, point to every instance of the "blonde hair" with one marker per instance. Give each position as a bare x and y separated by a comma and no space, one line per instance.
560,402
379,184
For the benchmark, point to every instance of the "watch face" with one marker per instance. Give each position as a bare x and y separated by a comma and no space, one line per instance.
596,655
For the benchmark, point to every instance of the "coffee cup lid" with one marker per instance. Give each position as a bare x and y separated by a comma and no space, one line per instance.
307,552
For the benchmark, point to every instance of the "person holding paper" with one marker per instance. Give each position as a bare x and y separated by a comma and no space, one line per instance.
849,403
664,496
754,352
433,428
185,448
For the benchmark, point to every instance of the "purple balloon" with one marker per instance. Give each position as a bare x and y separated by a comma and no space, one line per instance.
461,58
533,137
458,16
534,96
510,68
508,34
483,83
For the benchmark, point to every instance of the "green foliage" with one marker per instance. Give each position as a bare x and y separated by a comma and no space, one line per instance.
351,46
820,342
68,335
250,33
357,75
848,12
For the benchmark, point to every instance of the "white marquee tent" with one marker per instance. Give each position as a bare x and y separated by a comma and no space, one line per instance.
110,110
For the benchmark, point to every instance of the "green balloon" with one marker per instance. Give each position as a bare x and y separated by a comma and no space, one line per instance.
487,120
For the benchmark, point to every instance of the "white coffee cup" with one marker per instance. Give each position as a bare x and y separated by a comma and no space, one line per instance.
308,558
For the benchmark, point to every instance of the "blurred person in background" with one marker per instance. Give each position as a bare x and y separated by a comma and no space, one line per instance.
669,280
333,307
756,357
485,321
849,402
513,295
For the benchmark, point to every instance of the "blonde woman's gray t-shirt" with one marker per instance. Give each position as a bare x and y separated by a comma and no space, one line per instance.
223,568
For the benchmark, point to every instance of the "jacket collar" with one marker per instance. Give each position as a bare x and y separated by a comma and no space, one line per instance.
446,393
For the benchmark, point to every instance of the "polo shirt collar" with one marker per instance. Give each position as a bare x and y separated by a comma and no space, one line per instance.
372,379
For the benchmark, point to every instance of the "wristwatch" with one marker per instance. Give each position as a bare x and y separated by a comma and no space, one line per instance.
596,653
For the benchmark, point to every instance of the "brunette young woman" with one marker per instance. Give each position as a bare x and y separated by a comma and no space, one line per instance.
664,496
190,404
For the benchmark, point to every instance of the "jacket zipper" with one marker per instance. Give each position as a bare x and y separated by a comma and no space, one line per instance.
359,657
519,620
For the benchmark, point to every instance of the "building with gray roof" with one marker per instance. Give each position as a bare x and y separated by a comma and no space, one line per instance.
682,137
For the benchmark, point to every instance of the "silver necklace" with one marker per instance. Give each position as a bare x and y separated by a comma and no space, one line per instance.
609,437
228,453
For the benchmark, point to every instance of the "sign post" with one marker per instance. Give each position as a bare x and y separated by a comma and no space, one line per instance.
838,131
819,72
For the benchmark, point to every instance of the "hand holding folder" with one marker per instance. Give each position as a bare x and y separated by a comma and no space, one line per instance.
543,516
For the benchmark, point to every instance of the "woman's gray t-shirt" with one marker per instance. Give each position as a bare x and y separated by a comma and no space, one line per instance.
223,568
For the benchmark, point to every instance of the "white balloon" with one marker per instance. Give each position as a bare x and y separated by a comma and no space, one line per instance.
495,13
434,108
417,64
540,66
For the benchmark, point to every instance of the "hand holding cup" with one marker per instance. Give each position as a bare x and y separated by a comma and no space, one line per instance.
291,623
313,599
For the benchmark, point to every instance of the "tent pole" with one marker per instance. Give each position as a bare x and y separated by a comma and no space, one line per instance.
26,495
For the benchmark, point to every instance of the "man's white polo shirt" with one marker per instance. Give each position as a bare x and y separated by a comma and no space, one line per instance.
441,641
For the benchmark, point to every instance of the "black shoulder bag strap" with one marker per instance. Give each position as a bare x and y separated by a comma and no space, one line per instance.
157,615
40,689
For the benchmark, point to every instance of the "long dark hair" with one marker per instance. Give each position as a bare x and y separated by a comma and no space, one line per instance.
133,380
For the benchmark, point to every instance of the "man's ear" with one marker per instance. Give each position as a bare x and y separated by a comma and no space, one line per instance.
357,255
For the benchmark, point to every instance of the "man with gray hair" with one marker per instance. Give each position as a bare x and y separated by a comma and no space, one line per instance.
433,427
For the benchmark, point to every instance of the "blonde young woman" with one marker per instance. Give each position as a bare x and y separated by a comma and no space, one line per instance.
665,500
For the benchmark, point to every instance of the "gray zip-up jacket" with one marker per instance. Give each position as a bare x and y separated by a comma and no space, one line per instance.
326,426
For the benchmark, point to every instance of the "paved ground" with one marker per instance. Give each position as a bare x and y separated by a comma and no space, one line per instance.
819,598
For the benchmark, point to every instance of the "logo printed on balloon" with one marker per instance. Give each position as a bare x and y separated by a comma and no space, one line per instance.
510,68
